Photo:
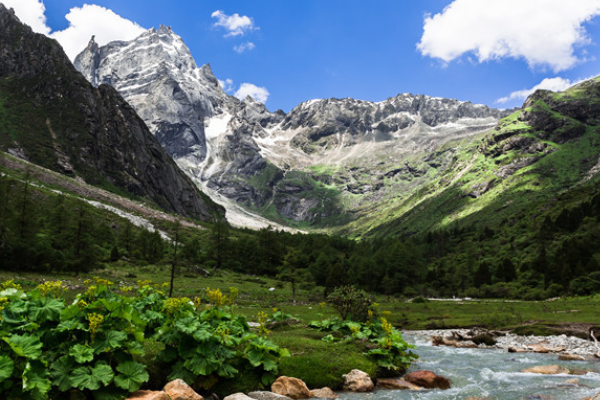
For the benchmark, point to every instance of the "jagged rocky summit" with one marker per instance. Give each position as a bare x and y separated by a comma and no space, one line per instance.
52,116
322,163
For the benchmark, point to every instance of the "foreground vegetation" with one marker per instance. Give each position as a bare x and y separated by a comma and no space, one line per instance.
113,339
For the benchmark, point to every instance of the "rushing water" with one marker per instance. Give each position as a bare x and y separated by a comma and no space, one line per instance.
493,374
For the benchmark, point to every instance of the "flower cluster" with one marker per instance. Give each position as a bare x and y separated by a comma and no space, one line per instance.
216,297
55,288
262,321
96,321
10,285
174,304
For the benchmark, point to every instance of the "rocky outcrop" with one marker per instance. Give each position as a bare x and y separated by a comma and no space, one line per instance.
428,380
84,131
293,388
358,381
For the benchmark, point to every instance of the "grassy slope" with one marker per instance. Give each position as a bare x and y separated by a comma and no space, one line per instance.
526,193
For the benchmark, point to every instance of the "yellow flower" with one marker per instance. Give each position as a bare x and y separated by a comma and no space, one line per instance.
95,323
197,302
10,285
174,304
103,282
262,320
52,287
215,297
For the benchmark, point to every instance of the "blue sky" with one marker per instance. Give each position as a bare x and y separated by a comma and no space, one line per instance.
292,51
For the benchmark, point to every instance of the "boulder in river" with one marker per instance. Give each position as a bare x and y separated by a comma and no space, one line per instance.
397,384
358,381
179,390
291,387
547,370
148,395
428,380
264,395
237,396
325,393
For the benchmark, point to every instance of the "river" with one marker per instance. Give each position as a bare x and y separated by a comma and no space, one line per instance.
493,374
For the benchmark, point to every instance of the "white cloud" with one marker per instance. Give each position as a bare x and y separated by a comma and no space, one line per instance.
236,25
30,12
257,93
554,84
543,32
94,20
83,23
244,47
226,85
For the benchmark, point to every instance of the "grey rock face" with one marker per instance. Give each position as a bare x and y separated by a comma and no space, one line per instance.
157,75
92,130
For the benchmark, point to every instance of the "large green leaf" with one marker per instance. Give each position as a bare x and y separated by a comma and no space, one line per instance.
132,375
60,371
35,377
202,335
180,372
6,367
85,378
71,312
187,325
201,365
71,325
12,293
46,309
82,378
27,346
109,340
227,371
104,373
82,353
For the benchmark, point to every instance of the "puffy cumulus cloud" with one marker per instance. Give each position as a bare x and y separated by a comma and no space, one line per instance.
256,92
94,20
543,32
244,47
236,25
30,12
553,84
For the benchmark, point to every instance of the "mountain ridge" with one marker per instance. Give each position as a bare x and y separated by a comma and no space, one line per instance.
53,117
269,162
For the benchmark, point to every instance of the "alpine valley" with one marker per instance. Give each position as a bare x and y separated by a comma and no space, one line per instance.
456,187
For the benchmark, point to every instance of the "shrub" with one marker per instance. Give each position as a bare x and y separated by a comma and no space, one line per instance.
350,303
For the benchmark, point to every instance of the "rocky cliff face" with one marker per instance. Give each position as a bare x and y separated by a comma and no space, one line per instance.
159,78
53,116
323,163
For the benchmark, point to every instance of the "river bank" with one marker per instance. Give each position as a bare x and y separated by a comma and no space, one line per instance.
561,344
